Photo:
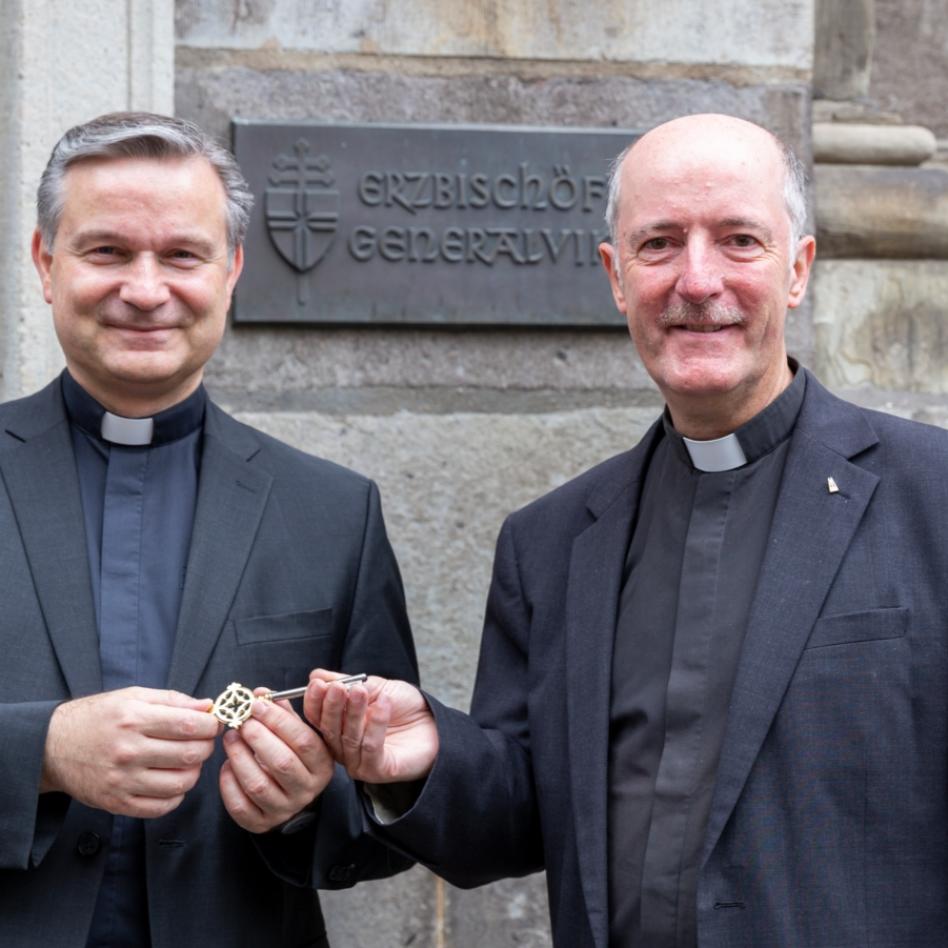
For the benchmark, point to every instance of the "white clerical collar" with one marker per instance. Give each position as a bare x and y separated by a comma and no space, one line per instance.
721,454
132,432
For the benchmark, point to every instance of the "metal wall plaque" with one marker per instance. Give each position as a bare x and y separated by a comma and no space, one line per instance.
419,224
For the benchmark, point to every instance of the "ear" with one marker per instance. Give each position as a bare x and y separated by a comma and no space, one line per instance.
800,274
43,261
610,261
236,266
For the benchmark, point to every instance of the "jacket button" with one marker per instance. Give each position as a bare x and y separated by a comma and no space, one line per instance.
89,844
342,874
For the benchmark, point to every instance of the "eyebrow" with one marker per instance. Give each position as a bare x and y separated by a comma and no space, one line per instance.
636,235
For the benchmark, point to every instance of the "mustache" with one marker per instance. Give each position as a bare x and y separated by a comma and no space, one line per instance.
711,313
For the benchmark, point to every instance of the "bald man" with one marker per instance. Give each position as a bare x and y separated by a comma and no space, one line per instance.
711,699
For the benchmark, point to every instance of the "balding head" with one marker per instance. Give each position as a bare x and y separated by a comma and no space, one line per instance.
705,132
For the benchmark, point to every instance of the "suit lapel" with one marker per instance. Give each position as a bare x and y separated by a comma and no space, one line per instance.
231,498
812,529
39,470
592,600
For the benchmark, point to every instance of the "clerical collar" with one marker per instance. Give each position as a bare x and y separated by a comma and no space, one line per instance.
168,425
752,440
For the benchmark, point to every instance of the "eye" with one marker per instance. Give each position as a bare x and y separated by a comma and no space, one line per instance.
742,241
656,243
181,257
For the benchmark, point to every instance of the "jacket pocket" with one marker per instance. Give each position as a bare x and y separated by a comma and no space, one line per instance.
853,627
285,627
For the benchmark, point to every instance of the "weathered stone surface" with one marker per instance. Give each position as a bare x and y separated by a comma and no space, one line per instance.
928,408
844,39
837,110
211,92
405,910
851,143
909,61
512,913
417,909
759,32
260,365
881,324
866,211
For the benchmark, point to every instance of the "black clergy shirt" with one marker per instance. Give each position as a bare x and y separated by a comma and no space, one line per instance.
691,570
138,507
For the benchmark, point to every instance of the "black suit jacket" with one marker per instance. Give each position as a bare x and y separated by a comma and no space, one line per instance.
829,823
289,568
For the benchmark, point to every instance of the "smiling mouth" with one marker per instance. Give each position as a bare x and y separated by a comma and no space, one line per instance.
141,329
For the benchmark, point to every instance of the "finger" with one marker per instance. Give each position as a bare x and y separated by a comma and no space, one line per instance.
148,808
243,811
353,726
162,784
373,684
255,780
322,674
299,779
331,720
174,755
179,724
286,725
173,699
313,701
373,740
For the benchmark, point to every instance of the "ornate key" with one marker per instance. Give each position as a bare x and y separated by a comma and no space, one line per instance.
235,703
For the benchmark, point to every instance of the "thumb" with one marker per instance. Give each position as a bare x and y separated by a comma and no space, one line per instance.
177,699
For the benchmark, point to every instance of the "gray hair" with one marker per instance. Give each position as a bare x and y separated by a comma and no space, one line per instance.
794,192
140,135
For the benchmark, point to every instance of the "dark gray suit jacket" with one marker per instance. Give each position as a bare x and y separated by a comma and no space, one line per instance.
829,825
289,568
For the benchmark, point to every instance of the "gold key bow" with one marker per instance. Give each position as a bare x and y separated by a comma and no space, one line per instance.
235,703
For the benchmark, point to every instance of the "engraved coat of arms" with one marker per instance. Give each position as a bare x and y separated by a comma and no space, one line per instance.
302,209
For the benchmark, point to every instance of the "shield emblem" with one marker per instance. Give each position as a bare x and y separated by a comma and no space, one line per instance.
302,223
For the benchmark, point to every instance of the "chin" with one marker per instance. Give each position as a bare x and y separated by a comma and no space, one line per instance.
706,382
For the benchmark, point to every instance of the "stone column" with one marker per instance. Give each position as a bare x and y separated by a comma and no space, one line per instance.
62,63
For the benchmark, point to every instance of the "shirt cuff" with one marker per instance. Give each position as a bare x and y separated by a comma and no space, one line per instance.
388,802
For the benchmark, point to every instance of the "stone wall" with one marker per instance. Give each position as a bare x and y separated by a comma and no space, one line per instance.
881,196
461,427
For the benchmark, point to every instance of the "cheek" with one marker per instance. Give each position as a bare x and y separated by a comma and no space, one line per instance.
209,313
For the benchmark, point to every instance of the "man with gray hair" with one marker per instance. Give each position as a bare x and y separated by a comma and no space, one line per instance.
711,699
153,549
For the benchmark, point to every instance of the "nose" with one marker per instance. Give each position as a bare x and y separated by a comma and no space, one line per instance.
700,278
144,286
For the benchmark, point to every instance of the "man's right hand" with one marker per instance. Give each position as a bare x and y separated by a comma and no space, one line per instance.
382,731
133,752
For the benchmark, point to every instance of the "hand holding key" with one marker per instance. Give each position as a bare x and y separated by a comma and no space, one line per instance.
381,731
276,764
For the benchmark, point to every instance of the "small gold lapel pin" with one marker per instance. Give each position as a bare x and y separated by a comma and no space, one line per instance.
832,486
234,704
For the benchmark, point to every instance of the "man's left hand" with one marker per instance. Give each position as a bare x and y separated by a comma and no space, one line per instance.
276,766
